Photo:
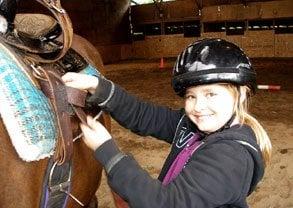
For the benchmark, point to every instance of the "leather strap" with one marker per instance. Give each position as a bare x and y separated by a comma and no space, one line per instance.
57,94
75,97
62,97
80,114
64,21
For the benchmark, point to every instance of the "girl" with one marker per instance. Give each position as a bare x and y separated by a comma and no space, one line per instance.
218,152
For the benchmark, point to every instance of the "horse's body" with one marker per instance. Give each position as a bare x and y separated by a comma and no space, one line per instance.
22,182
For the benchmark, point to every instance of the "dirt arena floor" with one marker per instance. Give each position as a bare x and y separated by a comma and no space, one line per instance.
274,109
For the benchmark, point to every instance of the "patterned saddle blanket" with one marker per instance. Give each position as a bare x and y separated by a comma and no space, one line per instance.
26,112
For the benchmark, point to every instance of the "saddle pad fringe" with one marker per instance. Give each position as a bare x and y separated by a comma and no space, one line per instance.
25,111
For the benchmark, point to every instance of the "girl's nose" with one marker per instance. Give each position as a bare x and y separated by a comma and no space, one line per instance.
200,104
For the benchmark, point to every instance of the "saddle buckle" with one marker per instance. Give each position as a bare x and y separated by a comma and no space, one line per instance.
52,4
64,186
37,71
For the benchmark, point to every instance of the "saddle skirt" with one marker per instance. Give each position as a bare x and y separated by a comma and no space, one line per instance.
26,112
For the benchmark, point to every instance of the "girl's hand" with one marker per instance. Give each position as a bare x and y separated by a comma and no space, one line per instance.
95,134
81,81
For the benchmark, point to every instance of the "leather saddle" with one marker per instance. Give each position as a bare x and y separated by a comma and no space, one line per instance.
34,40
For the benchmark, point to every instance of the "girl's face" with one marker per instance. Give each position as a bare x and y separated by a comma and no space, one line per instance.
209,106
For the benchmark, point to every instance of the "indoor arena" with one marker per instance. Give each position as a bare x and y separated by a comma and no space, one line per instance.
137,46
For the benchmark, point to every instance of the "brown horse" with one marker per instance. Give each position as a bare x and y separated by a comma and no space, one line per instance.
21,182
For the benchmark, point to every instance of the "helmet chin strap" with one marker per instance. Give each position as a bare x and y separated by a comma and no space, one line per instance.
227,125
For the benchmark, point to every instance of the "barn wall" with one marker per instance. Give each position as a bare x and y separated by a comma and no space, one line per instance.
148,13
105,24
188,9
263,43
269,45
256,10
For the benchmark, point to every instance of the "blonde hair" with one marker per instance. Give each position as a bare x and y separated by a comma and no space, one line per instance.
241,112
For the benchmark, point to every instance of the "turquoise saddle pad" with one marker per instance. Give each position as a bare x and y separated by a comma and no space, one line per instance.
26,112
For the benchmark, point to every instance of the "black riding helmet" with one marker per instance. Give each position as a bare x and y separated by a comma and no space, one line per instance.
8,11
212,61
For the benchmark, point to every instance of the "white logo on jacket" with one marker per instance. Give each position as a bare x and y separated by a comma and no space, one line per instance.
184,137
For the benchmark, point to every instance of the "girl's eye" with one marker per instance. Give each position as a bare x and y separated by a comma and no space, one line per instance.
189,97
211,94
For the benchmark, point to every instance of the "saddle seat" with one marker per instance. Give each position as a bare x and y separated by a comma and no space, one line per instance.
39,27
35,33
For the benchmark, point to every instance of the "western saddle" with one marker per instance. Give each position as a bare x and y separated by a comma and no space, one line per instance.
34,40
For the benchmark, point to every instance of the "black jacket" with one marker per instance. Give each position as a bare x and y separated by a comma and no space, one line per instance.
221,172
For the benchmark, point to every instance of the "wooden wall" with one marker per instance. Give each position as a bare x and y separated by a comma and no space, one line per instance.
188,9
105,24
262,43
269,45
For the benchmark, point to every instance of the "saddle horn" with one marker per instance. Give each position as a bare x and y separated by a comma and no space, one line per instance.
8,11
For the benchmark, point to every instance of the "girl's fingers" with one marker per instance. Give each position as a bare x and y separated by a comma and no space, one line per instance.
82,127
81,81
71,79
68,77
85,129
94,132
89,121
